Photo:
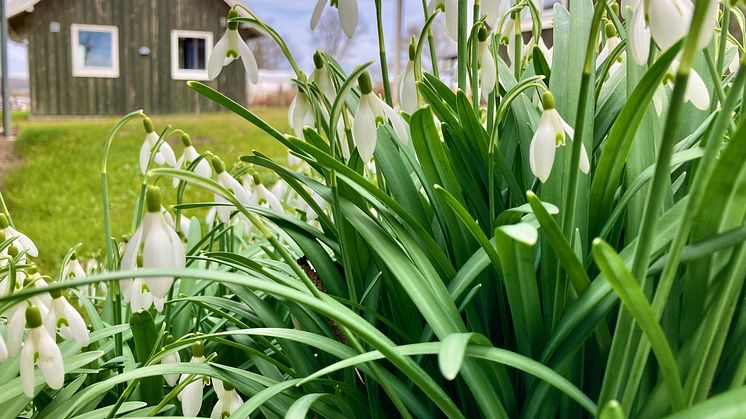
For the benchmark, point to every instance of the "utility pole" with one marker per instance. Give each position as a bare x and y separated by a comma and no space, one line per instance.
4,68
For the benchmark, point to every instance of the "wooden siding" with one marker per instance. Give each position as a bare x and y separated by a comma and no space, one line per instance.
144,81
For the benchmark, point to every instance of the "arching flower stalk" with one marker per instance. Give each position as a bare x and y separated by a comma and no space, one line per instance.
161,246
40,348
231,47
348,15
371,112
549,136
189,156
163,155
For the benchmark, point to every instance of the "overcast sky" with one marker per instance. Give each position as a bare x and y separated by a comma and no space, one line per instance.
291,19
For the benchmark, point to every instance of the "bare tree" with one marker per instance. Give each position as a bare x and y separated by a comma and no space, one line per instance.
330,38
266,52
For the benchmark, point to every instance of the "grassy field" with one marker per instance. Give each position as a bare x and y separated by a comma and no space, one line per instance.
54,193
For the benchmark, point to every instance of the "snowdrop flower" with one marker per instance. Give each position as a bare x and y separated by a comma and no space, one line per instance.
507,36
230,47
161,246
670,20
163,155
639,32
696,89
407,88
64,317
321,77
191,395
550,135
372,111
347,15
547,51
263,196
172,358
22,242
300,113
294,162
230,183
228,400
42,347
487,66
612,41
450,10
191,155
73,269
17,316
137,294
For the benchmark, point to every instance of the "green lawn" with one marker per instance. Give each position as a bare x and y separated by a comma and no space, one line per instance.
54,195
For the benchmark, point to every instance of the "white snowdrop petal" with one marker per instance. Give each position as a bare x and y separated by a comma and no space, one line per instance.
348,16
542,149
157,253
247,57
168,154
26,244
669,21
585,164
400,127
696,92
129,259
191,399
3,349
26,366
217,57
639,37
77,324
364,130
317,13
50,359
16,327
487,73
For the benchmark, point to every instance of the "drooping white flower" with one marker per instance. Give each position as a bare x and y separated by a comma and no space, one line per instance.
547,51
639,32
407,88
450,10
262,196
696,89
161,246
372,111
163,155
321,77
228,182
348,14
230,47
612,41
40,347
228,400
550,135
670,20
487,66
191,155
172,358
3,350
191,395
300,113
64,317
22,242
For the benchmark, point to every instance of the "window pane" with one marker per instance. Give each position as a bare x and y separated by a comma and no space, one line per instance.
192,54
95,49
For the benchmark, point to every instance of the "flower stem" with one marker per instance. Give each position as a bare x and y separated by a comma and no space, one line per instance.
462,34
382,54
430,42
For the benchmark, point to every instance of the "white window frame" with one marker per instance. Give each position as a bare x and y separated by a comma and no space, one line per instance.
82,70
547,18
189,74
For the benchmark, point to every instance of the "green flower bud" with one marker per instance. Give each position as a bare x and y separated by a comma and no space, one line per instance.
547,100
4,221
365,83
73,256
615,8
232,25
153,199
55,293
31,270
610,30
198,349
13,251
139,260
148,124
482,33
228,387
412,50
186,139
257,179
33,317
218,165
169,339
2,236
318,60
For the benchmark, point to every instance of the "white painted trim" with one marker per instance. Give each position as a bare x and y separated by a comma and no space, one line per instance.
83,71
189,74
547,19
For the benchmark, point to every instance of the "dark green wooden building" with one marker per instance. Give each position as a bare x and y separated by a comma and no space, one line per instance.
109,57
